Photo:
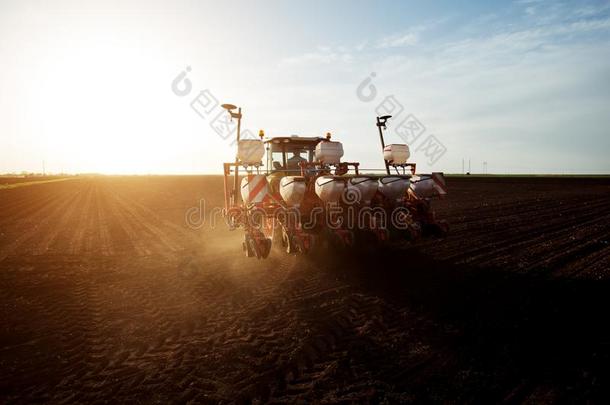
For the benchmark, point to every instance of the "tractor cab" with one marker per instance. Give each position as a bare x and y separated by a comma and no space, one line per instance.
284,153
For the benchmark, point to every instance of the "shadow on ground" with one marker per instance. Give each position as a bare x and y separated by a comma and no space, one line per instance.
512,337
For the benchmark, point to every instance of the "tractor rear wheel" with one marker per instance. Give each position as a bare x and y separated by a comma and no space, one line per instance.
289,242
246,245
264,248
257,247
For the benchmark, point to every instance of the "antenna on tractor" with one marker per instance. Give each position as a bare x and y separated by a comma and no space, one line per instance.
381,125
230,109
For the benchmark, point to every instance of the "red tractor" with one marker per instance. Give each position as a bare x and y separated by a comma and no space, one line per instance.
305,196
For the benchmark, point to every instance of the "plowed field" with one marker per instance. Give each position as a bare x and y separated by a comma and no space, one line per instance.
107,295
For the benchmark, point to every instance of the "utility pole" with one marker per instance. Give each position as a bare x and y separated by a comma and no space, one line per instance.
43,168
462,165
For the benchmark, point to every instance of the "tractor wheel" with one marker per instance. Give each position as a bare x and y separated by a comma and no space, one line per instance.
303,244
264,248
289,243
247,247
277,235
292,246
258,247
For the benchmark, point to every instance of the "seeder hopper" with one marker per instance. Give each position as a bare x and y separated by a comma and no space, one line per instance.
305,196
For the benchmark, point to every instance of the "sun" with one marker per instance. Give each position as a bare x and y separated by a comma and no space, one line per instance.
101,104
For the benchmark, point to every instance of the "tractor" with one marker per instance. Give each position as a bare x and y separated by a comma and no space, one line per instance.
297,193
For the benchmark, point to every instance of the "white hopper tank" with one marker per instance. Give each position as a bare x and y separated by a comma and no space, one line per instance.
361,189
329,152
250,152
292,190
394,187
330,188
396,154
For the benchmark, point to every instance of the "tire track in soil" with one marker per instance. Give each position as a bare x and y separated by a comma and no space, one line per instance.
332,320
59,322
493,229
11,225
168,224
106,242
151,301
77,317
510,237
516,213
161,228
555,230
160,239
177,342
37,221
570,249
24,207
128,227
307,290
77,240
262,329
595,266
58,227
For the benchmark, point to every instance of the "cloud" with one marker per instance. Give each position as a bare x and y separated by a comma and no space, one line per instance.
323,55
526,82
527,2
412,36
401,40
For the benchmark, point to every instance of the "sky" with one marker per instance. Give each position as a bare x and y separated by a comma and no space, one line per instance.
134,86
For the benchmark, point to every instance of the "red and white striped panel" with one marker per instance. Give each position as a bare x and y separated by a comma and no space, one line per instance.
254,188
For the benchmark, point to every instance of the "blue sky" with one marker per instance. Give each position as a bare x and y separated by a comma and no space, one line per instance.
522,85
